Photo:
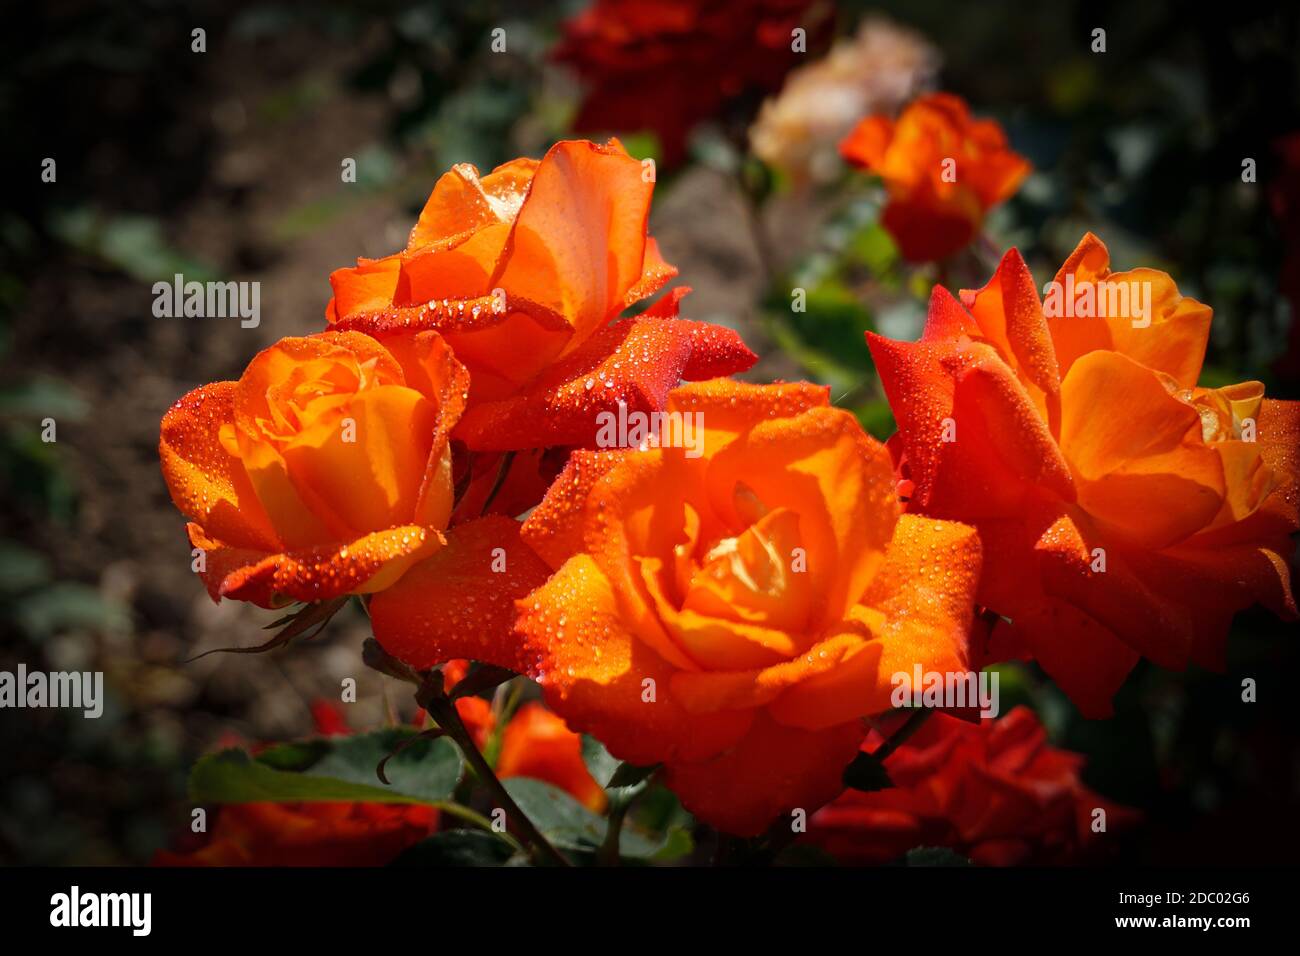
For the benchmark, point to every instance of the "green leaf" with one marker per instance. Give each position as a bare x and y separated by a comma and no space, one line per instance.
69,605
935,856
343,768
874,247
877,419
833,324
428,769
821,366
600,763
233,776
642,145
867,774
294,757
610,773
41,397
568,825
678,843
457,848
630,775
658,810
562,820
134,244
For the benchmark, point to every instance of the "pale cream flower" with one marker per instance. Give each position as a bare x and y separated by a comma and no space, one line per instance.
878,70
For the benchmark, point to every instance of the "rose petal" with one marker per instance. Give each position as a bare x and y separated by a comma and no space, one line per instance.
370,563
207,484
460,602
578,243
1143,470
634,361
799,770
917,611
606,682
1173,340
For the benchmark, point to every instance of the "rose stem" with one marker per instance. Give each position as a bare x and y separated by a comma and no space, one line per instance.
443,711
899,737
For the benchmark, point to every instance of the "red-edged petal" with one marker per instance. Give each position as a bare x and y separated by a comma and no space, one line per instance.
976,444
919,608
1010,317
370,563
655,274
634,361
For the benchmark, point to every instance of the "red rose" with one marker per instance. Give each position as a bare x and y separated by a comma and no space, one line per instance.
666,66
993,791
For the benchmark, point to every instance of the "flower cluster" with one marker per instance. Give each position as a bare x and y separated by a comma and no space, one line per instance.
728,589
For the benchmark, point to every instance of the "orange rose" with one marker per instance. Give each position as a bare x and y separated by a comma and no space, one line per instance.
1124,511
536,744
524,271
324,471
993,791
942,170
730,614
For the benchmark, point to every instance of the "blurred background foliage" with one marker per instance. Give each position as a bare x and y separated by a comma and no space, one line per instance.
226,165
